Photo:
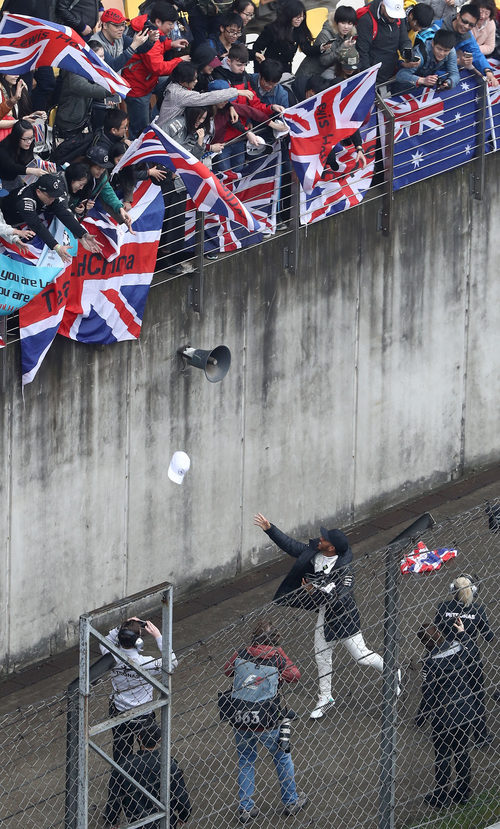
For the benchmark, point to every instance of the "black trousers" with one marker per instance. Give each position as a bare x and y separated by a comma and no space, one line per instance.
124,733
448,744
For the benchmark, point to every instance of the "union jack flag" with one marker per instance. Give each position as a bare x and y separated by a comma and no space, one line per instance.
207,192
97,299
415,112
344,188
29,42
423,560
320,122
2,342
257,187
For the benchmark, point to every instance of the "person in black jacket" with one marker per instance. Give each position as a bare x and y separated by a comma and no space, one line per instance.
145,767
448,702
465,606
382,32
47,197
281,39
81,16
323,571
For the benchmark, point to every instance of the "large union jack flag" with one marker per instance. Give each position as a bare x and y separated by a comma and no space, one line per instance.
344,188
320,122
257,187
97,299
208,193
29,42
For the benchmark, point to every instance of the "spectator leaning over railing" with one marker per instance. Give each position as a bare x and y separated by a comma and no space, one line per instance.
233,70
99,186
382,33
485,30
338,29
180,93
468,52
46,197
142,71
119,47
437,67
265,83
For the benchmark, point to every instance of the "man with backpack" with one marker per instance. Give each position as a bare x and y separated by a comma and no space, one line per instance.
258,670
382,32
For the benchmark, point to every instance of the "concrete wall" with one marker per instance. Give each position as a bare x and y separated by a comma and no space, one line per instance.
368,376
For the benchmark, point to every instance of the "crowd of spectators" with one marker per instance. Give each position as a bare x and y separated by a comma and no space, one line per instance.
188,65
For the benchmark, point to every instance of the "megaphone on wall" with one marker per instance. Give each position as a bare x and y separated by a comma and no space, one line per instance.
214,363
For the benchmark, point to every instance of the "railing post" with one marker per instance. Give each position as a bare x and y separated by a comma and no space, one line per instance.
477,177
387,149
196,286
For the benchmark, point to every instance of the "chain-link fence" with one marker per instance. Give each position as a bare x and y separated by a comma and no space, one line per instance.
337,756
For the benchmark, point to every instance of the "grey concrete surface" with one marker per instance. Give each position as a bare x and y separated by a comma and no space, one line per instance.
366,378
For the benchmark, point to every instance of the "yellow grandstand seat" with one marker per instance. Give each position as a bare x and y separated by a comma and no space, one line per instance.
132,8
315,19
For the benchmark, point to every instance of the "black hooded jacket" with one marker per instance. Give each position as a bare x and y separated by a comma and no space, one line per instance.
447,699
341,613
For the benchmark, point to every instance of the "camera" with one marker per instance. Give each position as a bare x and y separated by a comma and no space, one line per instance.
409,55
142,623
442,80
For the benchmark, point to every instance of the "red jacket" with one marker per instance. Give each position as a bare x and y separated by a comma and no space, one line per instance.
142,71
289,673
226,131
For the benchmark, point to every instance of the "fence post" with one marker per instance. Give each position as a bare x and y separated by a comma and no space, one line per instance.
166,660
477,177
83,724
387,150
196,286
388,730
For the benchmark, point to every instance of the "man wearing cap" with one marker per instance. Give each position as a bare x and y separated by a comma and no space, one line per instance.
145,767
99,186
322,569
46,197
143,70
382,32
119,47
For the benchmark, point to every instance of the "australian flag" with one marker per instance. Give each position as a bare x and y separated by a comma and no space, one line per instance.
320,122
29,42
207,192
436,130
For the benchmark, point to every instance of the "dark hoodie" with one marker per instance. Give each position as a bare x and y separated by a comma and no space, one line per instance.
341,613
383,48
446,696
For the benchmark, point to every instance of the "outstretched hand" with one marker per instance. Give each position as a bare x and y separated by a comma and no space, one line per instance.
261,521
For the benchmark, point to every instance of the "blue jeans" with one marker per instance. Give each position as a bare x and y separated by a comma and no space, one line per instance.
232,157
138,114
246,746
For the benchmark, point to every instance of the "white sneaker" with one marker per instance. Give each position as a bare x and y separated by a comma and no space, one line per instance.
323,704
